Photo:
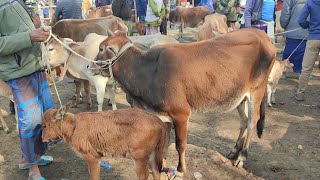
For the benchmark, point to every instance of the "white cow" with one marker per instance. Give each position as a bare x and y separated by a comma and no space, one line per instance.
78,67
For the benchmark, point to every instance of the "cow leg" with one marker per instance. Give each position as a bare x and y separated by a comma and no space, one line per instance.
142,168
243,126
100,84
78,89
269,95
180,121
94,169
181,30
253,116
86,86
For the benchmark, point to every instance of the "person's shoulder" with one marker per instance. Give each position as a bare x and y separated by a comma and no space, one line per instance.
6,3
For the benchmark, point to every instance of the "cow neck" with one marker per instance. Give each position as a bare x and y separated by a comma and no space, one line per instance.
69,126
131,67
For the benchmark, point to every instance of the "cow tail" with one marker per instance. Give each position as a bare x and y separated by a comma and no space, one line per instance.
260,123
162,146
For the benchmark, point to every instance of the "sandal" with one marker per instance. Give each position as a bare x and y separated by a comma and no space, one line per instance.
43,161
34,173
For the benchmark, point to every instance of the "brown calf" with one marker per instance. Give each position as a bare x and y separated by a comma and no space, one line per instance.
119,133
216,75
102,11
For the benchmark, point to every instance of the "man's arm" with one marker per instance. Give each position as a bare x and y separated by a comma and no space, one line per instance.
17,42
303,22
285,13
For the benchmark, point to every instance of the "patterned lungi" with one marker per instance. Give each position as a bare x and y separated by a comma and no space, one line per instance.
32,97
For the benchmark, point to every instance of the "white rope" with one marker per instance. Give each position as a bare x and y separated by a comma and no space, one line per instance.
297,46
276,34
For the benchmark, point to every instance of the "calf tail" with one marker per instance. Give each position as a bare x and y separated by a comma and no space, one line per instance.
162,146
260,123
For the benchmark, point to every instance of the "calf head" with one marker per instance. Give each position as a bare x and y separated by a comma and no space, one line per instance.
58,54
52,122
286,66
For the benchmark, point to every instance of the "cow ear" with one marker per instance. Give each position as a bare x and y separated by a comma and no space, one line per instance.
57,115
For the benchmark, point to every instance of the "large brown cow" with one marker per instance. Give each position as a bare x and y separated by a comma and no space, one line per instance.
216,75
78,29
188,17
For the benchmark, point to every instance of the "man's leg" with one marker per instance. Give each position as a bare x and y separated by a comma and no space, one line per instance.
309,58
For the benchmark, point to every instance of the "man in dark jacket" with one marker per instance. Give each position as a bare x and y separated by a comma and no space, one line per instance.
123,10
68,9
141,6
311,9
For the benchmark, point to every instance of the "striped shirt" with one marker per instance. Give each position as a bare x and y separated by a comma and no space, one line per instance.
68,9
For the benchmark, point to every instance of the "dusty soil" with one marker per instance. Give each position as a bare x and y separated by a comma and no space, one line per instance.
210,137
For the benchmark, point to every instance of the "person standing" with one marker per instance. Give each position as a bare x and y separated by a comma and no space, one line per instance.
22,70
229,9
141,9
208,4
68,9
154,15
289,21
310,9
102,2
123,10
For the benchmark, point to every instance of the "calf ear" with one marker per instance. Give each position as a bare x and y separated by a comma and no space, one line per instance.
57,115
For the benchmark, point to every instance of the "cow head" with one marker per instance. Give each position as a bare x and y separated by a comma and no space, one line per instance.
58,54
51,123
108,49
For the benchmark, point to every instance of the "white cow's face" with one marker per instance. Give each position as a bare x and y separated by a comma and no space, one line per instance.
57,53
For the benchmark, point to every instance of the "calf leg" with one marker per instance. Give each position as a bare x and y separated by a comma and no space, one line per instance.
154,167
243,126
100,85
93,168
273,99
4,124
86,86
112,97
253,116
269,95
78,89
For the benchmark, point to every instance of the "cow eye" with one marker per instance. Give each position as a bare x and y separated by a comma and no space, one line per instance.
44,126
100,49
51,49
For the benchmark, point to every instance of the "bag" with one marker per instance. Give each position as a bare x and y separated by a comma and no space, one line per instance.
268,8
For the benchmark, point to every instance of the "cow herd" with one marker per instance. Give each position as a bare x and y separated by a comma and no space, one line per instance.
221,72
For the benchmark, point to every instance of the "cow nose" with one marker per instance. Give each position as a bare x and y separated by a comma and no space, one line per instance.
88,66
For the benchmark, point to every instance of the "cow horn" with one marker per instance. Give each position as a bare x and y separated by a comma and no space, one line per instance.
109,33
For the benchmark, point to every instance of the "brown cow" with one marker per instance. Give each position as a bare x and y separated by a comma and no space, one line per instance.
216,75
102,11
213,25
78,29
94,135
188,17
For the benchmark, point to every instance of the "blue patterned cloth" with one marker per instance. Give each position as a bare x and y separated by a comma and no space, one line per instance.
32,97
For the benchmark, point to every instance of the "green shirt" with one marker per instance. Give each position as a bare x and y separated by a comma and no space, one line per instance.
18,55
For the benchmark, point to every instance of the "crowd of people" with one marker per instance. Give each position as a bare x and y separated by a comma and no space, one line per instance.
21,55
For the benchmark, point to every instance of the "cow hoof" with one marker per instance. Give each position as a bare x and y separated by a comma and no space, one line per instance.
7,130
273,102
89,106
239,162
74,106
270,105
232,155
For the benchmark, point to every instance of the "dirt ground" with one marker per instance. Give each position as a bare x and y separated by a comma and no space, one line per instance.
289,125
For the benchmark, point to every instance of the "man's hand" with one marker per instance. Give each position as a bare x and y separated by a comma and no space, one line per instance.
38,35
